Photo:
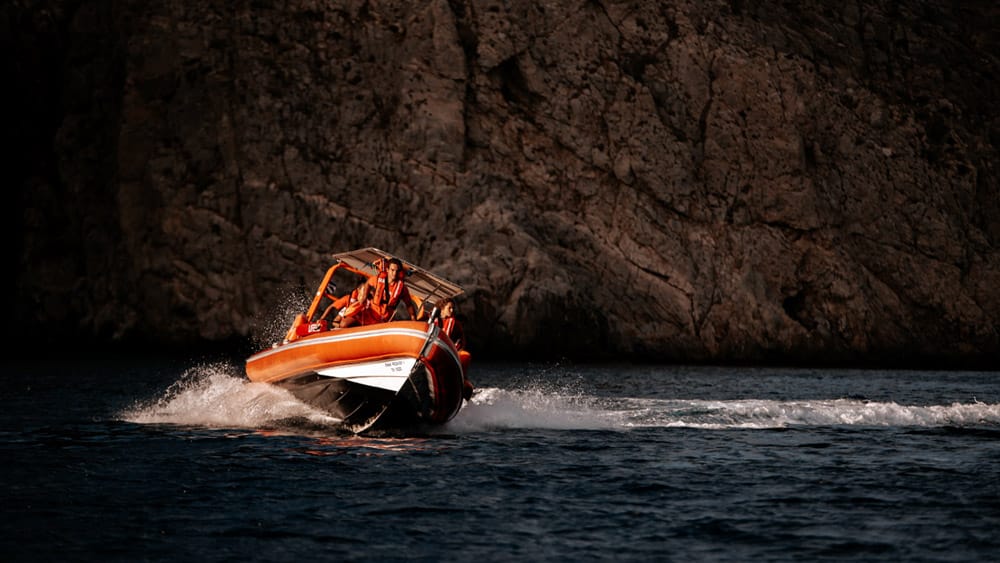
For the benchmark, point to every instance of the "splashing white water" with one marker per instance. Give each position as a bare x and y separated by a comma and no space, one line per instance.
757,413
213,396
217,396
498,408
291,303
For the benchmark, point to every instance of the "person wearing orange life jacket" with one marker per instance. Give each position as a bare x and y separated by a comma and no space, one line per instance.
449,325
390,290
358,310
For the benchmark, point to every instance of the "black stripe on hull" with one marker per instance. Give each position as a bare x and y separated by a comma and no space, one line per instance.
358,406
362,407
413,405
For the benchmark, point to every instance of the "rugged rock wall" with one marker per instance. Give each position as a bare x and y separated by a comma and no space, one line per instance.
690,180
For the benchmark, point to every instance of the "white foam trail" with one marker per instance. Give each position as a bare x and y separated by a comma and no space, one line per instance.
756,413
219,396
498,408
492,408
213,396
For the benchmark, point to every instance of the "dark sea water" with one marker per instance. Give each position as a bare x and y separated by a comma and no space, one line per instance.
137,461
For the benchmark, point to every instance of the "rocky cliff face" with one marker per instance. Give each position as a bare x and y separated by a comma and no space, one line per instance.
713,181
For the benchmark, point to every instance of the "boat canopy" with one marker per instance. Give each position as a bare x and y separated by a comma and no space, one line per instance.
425,288
422,284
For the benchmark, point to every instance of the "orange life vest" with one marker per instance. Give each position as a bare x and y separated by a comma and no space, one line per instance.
387,296
453,329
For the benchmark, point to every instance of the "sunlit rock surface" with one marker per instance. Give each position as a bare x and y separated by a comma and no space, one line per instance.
689,181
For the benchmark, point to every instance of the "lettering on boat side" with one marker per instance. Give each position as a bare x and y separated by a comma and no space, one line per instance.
395,366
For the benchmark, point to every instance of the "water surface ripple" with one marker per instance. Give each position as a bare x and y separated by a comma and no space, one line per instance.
131,461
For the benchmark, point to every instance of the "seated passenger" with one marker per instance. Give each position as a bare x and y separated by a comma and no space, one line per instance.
358,311
449,324
389,290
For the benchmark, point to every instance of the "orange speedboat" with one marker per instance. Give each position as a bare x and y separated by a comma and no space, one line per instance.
383,374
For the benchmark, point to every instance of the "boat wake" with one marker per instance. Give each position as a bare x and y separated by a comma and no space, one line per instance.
219,396
498,408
